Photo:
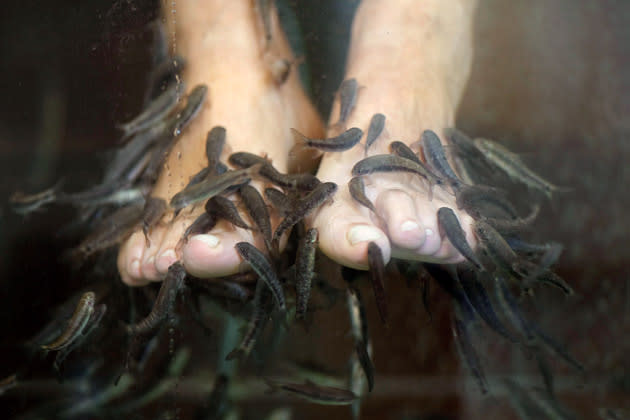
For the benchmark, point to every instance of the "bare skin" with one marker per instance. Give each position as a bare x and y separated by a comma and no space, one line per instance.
412,64
417,86
225,51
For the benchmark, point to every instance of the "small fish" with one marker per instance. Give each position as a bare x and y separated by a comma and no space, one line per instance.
474,198
194,102
304,207
348,92
157,109
214,147
172,129
358,317
377,124
556,347
279,200
302,182
133,151
154,209
401,149
436,158
165,301
468,352
305,270
390,163
495,246
512,165
27,203
198,177
512,310
315,393
263,267
448,281
357,383
217,402
365,360
449,226
357,191
258,211
345,141
118,196
76,324
92,324
479,299
111,230
168,71
504,226
202,224
223,208
470,161
257,322
519,245
377,277
8,383
545,371
530,272
211,187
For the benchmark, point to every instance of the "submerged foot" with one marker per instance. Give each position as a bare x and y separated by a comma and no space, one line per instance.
408,68
225,50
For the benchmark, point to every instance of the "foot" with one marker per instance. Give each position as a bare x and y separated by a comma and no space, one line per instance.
225,49
412,63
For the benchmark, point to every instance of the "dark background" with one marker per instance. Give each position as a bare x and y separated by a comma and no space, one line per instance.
553,85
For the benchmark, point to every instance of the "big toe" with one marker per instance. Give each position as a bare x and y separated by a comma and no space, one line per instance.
213,254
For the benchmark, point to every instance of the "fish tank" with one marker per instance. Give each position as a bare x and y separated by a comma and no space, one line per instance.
293,209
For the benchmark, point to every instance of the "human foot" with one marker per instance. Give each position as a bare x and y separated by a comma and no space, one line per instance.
410,68
225,50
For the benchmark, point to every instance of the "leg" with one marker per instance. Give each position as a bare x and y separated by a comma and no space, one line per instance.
413,60
225,50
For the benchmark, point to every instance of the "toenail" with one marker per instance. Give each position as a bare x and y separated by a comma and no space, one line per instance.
165,260
409,225
210,240
428,232
363,233
134,269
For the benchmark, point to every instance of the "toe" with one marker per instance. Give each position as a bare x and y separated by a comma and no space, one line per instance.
344,234
130,259
213,254
399,212
167,253
427,213
148,269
